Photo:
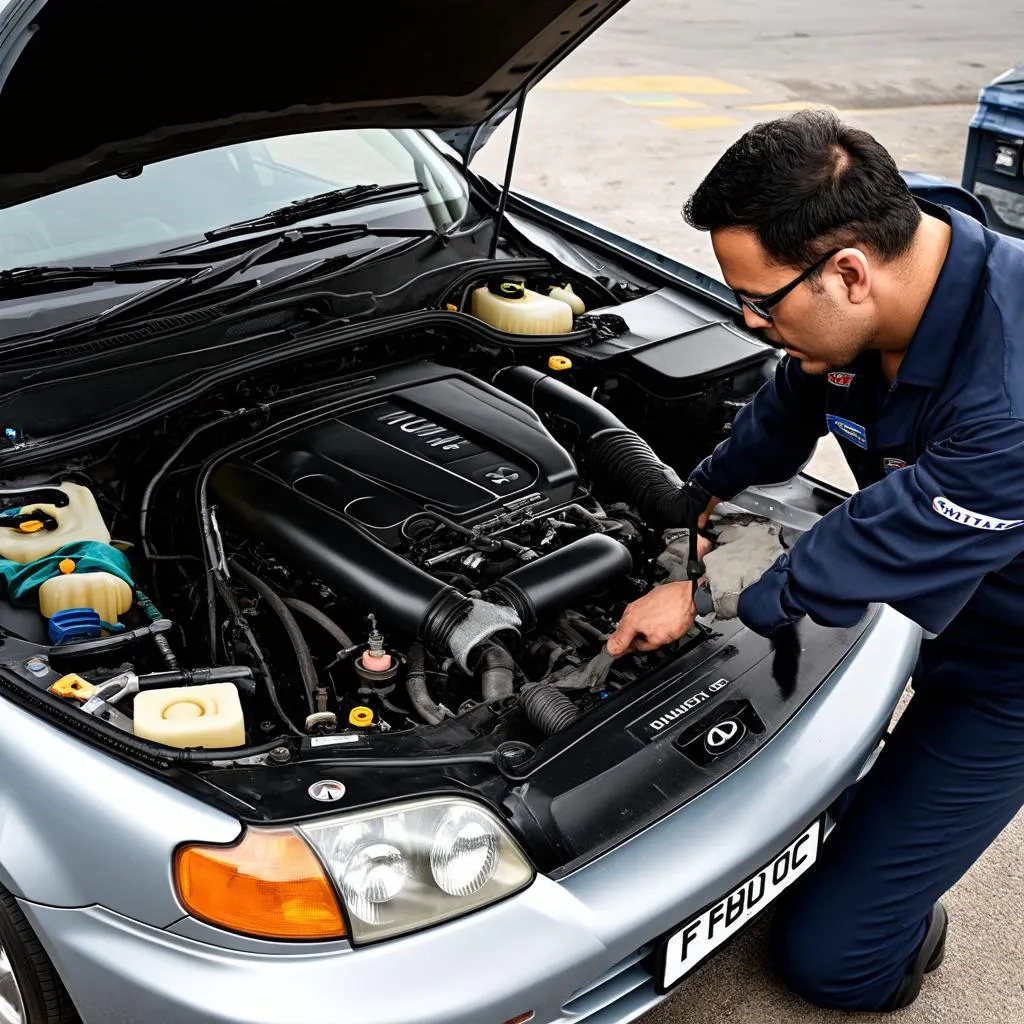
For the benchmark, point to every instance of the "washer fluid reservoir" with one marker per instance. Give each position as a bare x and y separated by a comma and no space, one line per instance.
108,595
190,716
511,307
37,521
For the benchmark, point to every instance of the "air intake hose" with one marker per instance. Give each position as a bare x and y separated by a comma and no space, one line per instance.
620,462
554,582
334,549
547,708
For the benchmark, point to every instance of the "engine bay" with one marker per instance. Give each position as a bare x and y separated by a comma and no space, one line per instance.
427,547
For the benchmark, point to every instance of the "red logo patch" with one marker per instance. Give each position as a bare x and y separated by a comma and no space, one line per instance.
841,380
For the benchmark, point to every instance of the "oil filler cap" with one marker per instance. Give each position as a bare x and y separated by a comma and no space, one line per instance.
507,289
559,363
360,717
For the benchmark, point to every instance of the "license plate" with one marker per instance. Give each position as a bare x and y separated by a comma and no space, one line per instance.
696,940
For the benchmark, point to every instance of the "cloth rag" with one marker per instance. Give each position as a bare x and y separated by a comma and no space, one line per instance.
20,581
745,548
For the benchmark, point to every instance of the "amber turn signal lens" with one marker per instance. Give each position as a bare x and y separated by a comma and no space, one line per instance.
268,884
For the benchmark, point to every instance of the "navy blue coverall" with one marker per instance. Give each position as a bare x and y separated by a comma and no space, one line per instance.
937,532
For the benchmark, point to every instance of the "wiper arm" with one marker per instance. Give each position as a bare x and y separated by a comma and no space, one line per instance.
193,281
326,202
19,280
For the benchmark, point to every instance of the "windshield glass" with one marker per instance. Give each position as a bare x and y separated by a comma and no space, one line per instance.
170,203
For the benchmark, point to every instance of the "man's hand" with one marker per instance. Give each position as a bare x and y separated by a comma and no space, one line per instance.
703,520
656,619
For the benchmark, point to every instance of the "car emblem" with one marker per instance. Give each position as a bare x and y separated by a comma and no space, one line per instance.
502,475
327,791
723,736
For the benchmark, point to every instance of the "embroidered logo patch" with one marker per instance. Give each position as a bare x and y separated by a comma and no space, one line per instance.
890,465
841,380
848,430
964,516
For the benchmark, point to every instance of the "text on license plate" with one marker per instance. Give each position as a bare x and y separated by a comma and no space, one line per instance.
700,936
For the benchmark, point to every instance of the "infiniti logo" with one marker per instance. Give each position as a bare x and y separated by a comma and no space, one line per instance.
327,791
723,736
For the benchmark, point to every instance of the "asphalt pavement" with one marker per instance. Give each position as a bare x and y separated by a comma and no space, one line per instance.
622,132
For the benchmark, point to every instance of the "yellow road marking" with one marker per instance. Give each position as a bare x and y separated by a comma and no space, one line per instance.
700,84
656,100
696,121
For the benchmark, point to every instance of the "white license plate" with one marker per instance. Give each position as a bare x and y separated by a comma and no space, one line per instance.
696,940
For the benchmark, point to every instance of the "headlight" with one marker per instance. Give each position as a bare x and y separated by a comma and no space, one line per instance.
406,866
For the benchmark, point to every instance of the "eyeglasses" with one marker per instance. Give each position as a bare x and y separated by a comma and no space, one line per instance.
760,307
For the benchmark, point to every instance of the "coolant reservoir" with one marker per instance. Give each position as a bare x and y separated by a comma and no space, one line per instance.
191,716
564,293
104,592
511,307
77,519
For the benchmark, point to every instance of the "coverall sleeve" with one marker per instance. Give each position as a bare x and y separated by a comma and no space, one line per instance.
772,436
920,540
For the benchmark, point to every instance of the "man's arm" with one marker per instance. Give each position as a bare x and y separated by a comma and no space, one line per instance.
922,539
772,436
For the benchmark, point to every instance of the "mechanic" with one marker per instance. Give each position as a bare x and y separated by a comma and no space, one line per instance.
903,328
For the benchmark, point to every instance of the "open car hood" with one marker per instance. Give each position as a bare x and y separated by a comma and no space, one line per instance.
92,89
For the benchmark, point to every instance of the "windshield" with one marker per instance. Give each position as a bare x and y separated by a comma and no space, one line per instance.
170,203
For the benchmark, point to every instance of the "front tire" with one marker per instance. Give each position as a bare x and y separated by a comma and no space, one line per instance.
30,990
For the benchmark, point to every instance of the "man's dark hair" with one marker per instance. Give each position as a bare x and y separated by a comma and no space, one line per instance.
806,184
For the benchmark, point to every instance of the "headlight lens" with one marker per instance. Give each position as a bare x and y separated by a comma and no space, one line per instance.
464,854
406,866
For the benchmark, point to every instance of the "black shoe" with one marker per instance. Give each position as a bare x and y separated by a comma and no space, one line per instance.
930,955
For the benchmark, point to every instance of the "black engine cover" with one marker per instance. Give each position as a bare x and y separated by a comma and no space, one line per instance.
423,437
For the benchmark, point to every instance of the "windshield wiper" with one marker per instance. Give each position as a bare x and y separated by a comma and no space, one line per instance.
335,201
19,280
192,280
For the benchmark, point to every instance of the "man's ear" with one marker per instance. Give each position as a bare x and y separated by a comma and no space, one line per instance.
855,271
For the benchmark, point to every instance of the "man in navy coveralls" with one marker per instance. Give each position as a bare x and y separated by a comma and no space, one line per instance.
903,327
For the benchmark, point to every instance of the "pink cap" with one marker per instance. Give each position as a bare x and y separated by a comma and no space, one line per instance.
376,662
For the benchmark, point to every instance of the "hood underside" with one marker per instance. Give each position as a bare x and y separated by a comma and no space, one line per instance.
91,89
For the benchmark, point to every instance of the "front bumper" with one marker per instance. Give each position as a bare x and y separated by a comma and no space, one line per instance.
572,950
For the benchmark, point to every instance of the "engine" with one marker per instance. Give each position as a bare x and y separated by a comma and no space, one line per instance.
437,502
427,547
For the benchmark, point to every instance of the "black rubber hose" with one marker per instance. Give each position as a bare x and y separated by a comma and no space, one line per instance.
147,496
218,587
552,583
497,676
547,708
307,670
324,621
416,685
616,458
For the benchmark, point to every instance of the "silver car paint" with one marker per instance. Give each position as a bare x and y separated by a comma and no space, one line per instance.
79,827
575,939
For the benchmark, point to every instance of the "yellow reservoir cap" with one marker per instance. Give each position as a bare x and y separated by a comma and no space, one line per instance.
559,363
73,686
360,717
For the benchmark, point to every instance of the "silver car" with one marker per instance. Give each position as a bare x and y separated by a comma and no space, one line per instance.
326,468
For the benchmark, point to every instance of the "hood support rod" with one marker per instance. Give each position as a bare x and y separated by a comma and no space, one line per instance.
513,144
